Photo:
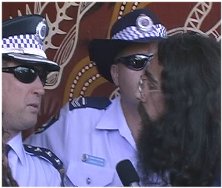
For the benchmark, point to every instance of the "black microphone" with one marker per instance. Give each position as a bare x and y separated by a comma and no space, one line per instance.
127,173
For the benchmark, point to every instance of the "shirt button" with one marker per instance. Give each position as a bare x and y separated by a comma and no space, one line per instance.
88,181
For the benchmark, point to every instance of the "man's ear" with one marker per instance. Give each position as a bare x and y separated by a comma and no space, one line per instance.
115,74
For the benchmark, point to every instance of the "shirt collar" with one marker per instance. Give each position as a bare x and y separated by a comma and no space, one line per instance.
16,145
114,119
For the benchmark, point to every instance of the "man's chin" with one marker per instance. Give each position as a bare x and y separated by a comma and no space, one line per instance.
30,121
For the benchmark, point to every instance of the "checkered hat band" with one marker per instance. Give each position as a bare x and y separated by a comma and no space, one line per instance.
21,41
133,33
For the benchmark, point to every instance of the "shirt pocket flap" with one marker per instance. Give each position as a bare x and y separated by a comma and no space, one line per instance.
82,174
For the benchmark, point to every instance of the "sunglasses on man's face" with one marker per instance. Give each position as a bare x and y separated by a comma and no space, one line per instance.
135,62
26,74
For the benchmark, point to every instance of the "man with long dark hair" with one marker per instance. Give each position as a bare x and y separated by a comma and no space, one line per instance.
180,144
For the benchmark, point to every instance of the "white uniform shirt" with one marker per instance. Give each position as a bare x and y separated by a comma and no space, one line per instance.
30,170
90,142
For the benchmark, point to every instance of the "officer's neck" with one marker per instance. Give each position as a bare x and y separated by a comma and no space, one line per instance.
132,118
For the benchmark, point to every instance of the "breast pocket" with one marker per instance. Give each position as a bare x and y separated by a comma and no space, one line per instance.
82,174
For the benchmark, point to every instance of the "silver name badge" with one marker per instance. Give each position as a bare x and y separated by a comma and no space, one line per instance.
90,159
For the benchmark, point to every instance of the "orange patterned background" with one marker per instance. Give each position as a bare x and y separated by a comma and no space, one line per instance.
72,25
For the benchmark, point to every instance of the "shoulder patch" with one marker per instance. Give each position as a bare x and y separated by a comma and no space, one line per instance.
45,154
89,102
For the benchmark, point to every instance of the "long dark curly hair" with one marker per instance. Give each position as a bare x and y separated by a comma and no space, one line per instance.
183,147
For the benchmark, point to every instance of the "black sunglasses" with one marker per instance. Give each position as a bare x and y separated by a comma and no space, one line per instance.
26,74
135,62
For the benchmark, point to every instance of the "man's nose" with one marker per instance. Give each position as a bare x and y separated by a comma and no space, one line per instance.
39,87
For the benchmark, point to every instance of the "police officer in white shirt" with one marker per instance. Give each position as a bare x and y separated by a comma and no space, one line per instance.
24,71
91,135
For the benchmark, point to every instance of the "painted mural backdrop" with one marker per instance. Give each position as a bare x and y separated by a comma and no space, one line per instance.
73,24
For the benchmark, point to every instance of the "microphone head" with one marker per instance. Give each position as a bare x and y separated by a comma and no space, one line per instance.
127,172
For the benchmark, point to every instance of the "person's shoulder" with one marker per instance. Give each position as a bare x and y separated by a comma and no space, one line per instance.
46,155
81,107
99,103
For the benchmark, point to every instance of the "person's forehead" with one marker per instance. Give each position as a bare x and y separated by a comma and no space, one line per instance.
13,63
8,62
141,48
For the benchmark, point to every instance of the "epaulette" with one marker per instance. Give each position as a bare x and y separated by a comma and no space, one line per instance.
45,154
89,102
49,156
45,126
